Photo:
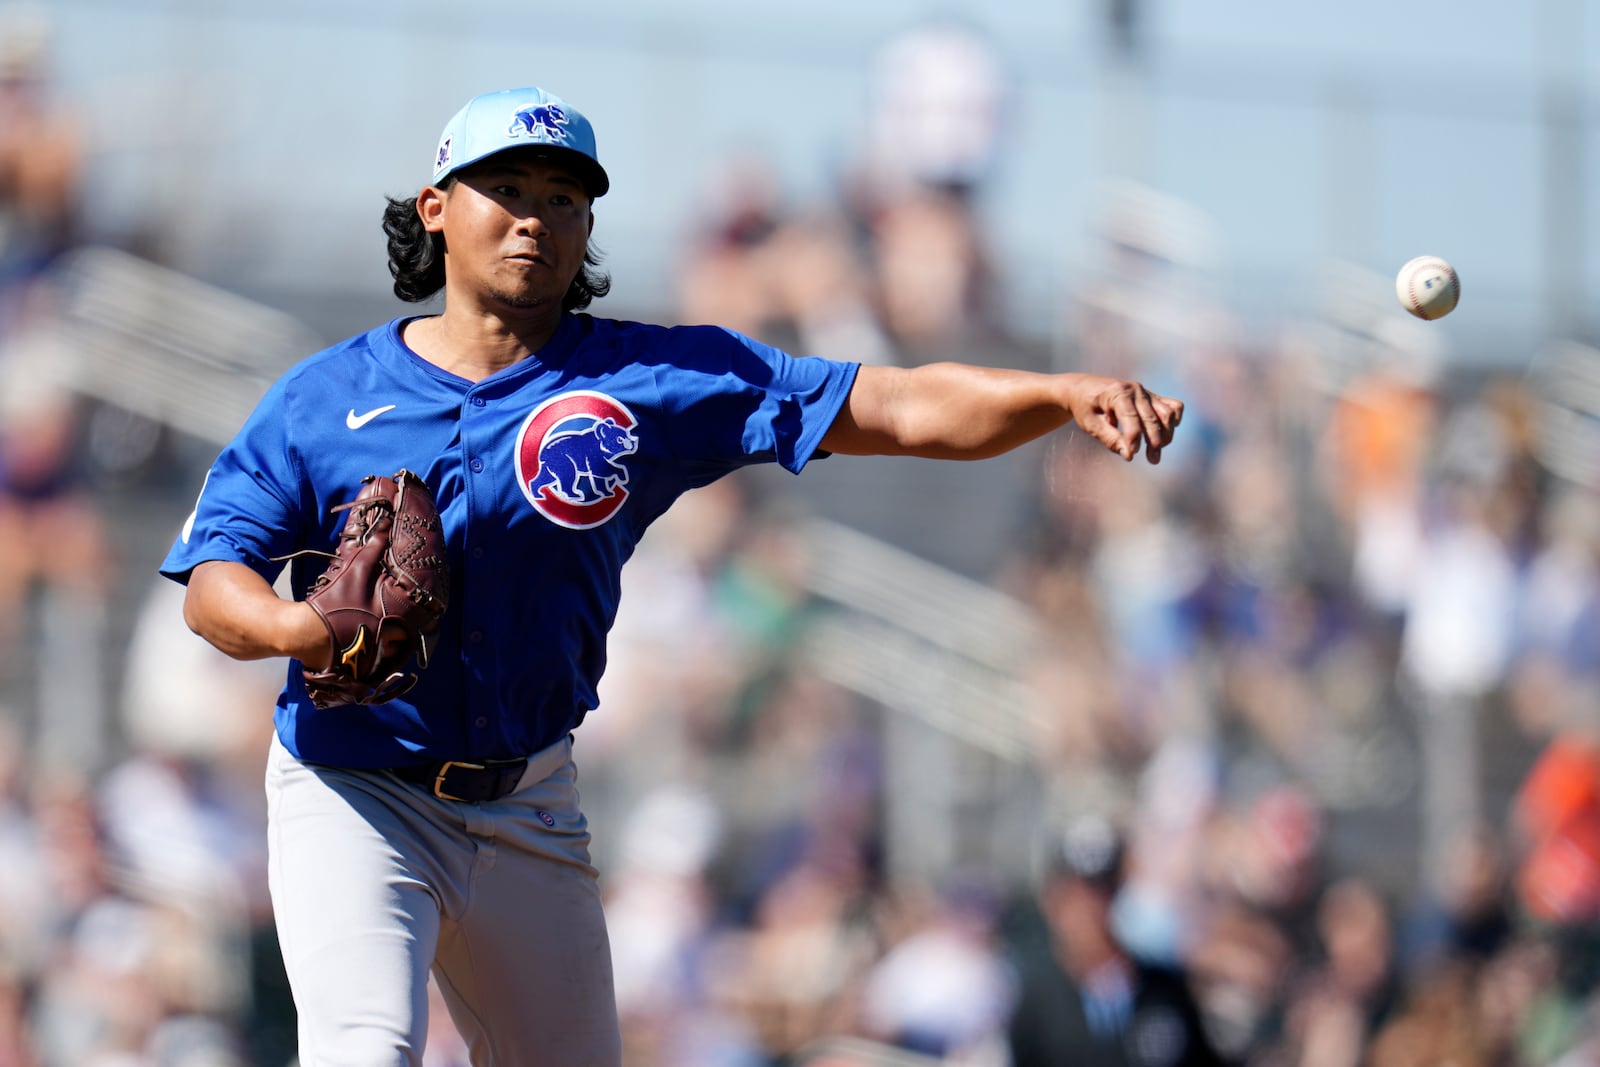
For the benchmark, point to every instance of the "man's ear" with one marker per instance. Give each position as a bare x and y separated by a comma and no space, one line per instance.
430,208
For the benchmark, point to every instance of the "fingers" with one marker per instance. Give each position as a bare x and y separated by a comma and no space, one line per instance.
1170,410
1136,417
1156,432
1115,428
1136,421
1105,431
1160,424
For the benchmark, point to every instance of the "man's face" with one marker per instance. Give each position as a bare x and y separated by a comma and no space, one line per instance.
515,227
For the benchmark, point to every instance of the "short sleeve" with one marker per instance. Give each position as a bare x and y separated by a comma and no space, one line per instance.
248,510
740,401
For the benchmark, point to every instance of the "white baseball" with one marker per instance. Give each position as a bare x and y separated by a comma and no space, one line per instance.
1428,287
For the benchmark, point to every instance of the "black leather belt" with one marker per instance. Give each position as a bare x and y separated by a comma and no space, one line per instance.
472,781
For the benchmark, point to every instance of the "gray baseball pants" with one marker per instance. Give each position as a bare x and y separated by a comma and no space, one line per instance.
375,881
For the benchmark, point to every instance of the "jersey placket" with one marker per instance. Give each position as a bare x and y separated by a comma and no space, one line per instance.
481,466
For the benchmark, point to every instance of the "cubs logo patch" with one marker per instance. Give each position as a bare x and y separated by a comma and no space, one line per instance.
542,122
441,159
569,458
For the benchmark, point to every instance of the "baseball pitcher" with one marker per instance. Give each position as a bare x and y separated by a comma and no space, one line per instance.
455,496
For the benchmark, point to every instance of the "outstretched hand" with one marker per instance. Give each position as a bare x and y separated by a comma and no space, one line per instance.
1124,415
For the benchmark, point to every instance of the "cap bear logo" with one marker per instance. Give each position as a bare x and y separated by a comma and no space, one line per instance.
547,120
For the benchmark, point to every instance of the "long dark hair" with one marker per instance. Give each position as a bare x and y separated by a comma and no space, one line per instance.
416,259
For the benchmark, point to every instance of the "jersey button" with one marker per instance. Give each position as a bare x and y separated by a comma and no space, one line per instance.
476,635
478,401
480,722
477,466
477,551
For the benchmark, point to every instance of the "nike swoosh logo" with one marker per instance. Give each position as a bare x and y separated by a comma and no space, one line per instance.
355,422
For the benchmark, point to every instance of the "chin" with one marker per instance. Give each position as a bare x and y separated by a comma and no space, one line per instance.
521,301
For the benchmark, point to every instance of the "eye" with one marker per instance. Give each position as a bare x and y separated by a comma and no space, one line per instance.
561,200
509,191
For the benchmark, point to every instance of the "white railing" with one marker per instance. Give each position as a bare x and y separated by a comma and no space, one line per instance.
922,640
161,344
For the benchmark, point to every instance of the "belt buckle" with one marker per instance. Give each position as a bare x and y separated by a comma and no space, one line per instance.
444,769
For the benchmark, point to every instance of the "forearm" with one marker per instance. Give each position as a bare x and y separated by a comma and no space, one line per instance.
960,411
234,608
950,411
965,412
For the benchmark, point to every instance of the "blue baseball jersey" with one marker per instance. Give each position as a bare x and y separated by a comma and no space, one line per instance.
546,475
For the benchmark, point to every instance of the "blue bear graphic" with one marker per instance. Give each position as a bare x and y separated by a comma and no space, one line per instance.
581,465
548,118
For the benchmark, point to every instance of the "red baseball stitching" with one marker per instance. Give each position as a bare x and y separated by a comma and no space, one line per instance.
1411,288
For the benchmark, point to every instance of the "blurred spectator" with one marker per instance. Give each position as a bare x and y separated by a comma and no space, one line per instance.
785,277
1159,909
1372,465
899,270
51,527
40,154
1239,963
722,280
660,909
1342,1000
1558,820
1556,674
1439,1026
1462,599
937,110
57,569
1269,853
942,988
1468,919
1084,999
790,976
933,277
820,289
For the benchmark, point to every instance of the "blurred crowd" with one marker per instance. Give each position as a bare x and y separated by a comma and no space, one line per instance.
1315,772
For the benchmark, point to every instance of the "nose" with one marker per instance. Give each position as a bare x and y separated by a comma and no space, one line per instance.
530,223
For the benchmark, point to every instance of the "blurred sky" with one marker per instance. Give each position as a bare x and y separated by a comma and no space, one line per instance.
256,139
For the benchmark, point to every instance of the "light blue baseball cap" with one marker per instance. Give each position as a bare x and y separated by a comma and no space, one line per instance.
520,118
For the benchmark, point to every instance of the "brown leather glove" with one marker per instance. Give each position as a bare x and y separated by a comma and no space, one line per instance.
383,594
